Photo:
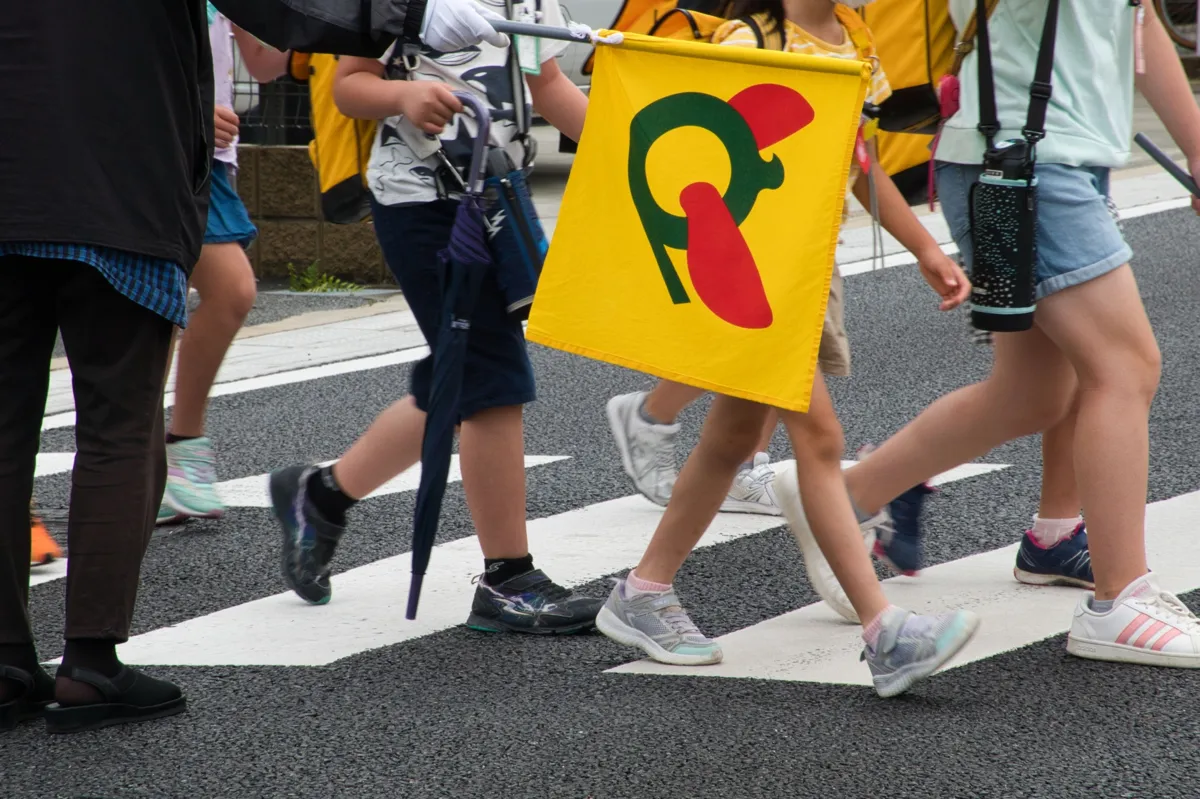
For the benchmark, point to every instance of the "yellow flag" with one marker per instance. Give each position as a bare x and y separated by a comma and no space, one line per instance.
697,234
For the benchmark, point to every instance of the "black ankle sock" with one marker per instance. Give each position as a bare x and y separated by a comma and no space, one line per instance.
328,496
174,439
96,654
501,570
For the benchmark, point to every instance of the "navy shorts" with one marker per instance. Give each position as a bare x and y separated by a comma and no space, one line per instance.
227,217
497,372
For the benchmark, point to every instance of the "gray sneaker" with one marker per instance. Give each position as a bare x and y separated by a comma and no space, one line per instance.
912,647
658,625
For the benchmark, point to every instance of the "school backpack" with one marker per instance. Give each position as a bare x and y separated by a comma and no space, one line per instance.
341,147
911,117
698,20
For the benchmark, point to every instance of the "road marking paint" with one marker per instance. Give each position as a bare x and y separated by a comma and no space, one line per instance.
252,492
49,463
814,645
905,258
410,355
48,573
367,610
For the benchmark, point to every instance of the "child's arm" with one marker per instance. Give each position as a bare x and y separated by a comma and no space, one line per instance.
263,62
558,100
940,271
361,92
1165,86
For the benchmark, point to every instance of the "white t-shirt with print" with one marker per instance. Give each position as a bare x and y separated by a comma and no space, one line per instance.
394,174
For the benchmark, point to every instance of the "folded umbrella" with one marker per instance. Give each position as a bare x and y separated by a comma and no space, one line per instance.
463,265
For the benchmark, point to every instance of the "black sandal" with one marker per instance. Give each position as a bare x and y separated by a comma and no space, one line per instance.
37,693
128,697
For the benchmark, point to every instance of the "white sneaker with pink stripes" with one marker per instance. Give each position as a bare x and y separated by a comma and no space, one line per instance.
1146,625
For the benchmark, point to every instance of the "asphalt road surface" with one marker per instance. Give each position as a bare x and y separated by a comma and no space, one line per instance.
374,710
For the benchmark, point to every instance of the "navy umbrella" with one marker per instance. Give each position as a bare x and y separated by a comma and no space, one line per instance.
464,263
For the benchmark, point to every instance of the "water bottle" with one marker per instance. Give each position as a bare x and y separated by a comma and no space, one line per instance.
1003,213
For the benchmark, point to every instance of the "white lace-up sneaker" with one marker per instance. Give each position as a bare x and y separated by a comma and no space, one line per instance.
647,450
753,489
1146,625
820,574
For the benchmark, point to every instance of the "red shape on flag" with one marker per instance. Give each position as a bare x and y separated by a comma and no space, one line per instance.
772,111
720,263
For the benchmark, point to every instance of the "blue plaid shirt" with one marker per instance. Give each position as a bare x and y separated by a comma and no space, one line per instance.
157,285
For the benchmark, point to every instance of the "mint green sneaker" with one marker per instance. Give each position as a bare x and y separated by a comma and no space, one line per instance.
912,647
191,483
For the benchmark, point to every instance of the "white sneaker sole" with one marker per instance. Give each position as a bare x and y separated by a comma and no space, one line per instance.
1113,652
787,493
1030,578
745,506
612,627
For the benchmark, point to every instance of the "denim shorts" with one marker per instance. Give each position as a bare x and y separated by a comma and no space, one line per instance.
1077,235
497,372
227,217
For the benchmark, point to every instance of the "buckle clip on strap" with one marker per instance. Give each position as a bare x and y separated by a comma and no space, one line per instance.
1039,90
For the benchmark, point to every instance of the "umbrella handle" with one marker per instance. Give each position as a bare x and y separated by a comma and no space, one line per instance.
483,120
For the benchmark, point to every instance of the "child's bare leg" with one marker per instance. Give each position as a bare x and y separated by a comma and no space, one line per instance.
818,442
668,399
1054,551
729,431
643,610
1029,389
1060,494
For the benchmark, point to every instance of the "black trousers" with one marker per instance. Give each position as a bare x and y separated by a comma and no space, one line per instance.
118,356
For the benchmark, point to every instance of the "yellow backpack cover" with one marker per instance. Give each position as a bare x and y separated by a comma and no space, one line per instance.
341,146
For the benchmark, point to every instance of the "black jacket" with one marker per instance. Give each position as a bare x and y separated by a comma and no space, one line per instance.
106,109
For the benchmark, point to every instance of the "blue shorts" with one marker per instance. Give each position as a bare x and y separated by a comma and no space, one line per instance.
1077,235
497,372
227,217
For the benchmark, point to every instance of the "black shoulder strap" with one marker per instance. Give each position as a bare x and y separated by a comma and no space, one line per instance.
759,36
1039,90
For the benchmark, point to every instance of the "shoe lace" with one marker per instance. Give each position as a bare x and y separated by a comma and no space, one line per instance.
1180,613
752,483
680,623
659,452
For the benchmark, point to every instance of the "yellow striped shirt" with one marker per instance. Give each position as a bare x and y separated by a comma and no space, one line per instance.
797,40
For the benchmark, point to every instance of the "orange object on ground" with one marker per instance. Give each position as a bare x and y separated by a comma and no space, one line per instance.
44,549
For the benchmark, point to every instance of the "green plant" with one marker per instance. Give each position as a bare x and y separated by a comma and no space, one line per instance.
314,280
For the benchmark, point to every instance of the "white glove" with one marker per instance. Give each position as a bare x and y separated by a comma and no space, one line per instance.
452,25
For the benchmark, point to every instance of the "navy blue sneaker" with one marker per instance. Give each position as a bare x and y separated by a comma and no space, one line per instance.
309,539
1066,563
531,603
899,544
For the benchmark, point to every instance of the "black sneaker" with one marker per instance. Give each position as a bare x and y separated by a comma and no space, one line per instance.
309,540
531,603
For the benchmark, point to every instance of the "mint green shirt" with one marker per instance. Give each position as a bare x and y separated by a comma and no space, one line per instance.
1090,118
